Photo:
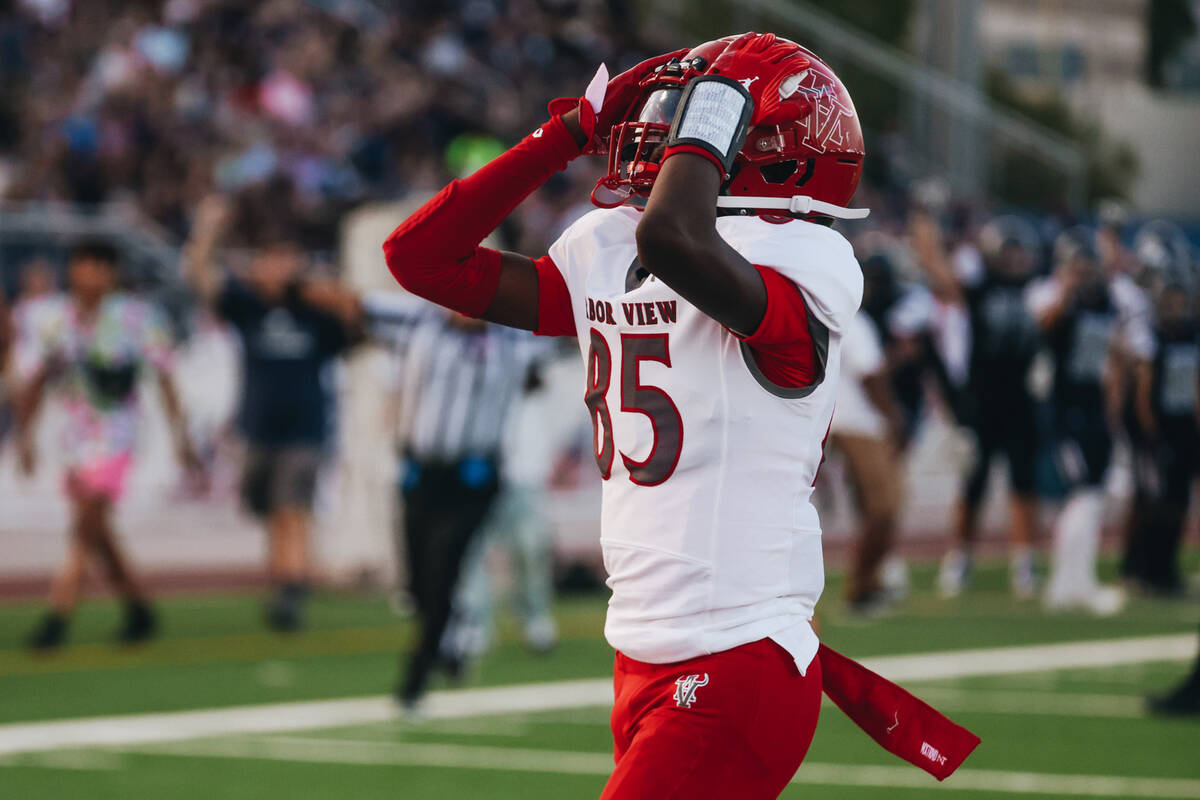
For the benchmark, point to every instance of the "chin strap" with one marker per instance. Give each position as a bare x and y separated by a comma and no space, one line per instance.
799,204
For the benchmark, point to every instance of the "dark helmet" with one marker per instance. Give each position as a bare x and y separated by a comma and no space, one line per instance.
1160,247
1009,245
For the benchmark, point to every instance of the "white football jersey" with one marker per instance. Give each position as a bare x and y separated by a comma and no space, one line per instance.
708,533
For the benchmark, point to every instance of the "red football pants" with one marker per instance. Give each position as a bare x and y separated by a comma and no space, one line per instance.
734,724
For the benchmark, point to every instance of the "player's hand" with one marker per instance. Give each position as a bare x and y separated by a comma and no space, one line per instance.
598,111
333,298
211,215
770,70
621,93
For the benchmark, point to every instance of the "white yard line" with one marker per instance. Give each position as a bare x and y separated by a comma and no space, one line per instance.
116,731
1024,702
567,762
283,717
1034,658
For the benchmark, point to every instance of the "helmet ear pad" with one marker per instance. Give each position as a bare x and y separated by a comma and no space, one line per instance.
789,172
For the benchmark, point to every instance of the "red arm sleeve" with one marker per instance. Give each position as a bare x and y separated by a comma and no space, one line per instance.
435,253
783,343
555,317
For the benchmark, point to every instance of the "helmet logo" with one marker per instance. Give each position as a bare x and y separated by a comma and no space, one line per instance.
745,82
823,127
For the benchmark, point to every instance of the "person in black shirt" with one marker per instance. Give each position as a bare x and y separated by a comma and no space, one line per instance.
290,329
996,404
1166,403
1080,319
1156,390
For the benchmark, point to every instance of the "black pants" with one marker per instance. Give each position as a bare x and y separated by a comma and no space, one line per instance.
1164,470
1003,424
444,507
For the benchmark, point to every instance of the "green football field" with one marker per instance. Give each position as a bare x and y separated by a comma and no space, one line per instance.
218,708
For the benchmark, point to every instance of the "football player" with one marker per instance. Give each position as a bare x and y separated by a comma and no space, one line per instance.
1083,325
709,297
996,403
1160,408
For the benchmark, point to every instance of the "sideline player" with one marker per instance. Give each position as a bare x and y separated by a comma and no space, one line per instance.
712,348
91,345
868,431
996,403
1167,402
1158,404
1082,324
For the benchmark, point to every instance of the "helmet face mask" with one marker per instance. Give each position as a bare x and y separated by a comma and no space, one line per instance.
818,152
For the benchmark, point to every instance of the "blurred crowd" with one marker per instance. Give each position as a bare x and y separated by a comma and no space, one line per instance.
301,109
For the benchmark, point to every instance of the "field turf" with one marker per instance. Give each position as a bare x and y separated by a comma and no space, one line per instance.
1076,732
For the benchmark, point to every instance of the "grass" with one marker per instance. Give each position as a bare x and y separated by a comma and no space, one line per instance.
214,653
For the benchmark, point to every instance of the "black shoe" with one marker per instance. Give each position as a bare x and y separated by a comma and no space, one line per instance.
454,667
1183,702
873,605
50,633
141,624
285,613
412,706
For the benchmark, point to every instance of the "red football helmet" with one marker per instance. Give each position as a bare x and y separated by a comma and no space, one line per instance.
808,165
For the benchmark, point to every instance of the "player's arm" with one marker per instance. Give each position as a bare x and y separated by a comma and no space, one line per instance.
199,262
1143,397
678,243
926,239
677,237
1052,300
878,388
436,253
28,403
177,420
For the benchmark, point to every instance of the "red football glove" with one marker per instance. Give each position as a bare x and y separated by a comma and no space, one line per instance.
762,64
599,112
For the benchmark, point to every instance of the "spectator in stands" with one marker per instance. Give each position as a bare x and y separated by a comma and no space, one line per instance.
91,345
291,329
152,102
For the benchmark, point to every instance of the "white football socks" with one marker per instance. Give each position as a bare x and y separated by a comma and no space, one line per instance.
1073,582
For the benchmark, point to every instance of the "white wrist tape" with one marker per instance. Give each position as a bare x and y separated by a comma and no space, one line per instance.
714,113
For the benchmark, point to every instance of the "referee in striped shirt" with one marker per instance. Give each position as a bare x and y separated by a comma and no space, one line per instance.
458,380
